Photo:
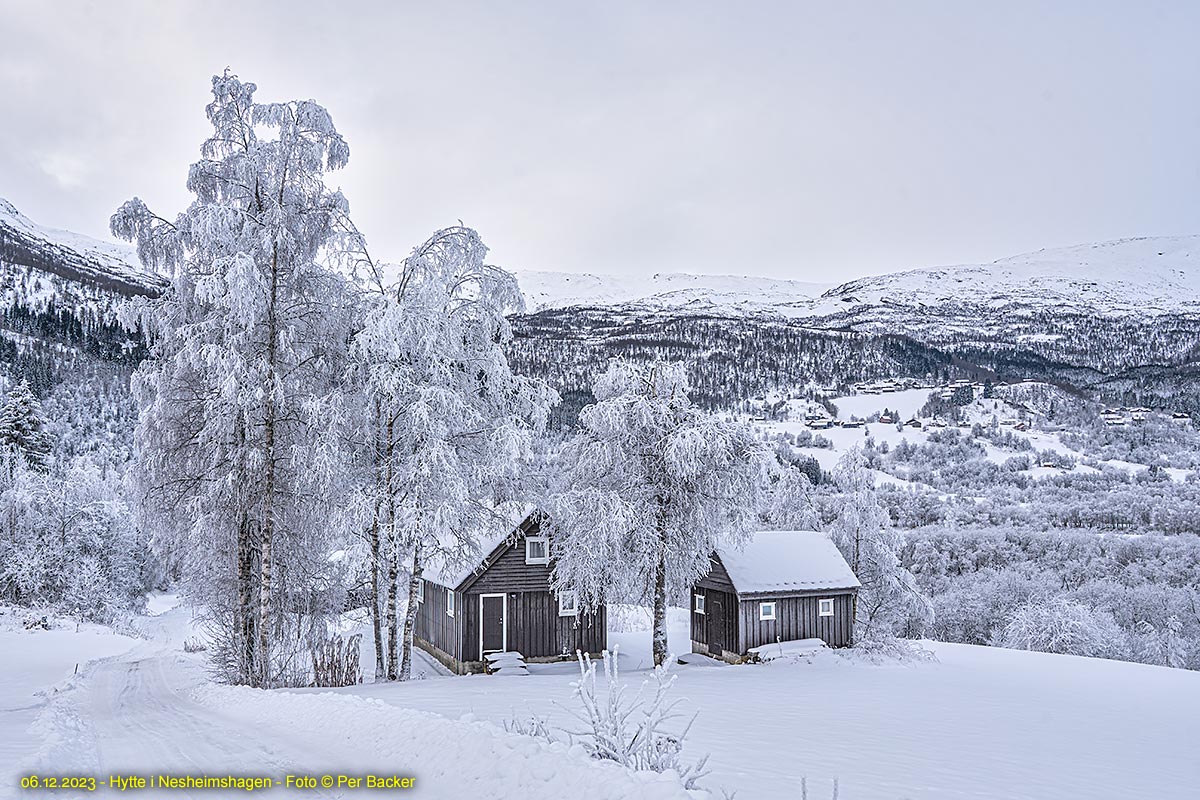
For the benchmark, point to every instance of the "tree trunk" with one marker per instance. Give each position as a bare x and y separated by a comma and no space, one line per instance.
393,579
244,634
268,525
410,614
376,557
660,603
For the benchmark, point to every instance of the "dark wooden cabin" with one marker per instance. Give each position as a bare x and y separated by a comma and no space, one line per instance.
782,586
504,603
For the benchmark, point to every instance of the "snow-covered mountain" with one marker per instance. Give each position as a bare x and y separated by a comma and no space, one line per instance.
674,291
1121,319
1128,276
59,292
1125,277
70,256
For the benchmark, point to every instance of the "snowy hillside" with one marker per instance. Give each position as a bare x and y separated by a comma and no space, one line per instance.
71,256
1134,276
1127,275
726,293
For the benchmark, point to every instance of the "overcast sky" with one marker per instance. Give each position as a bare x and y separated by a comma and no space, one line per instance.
816,141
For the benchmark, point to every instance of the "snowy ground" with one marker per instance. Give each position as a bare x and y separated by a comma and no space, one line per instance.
34,662
977,723
146,707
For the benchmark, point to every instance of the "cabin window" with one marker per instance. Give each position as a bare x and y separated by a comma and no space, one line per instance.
825,607
766,610
537,550
420,590
449,604
568,604
699,604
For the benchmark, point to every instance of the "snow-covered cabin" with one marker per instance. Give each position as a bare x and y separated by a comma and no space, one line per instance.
780,586
503,602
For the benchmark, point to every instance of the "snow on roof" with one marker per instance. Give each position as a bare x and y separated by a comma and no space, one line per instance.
508,517
787,561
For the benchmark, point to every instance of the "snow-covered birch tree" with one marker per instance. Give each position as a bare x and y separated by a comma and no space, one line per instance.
650,485
863,532
449,422
248,335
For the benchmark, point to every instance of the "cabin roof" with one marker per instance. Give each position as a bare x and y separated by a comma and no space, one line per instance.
509,519
787,561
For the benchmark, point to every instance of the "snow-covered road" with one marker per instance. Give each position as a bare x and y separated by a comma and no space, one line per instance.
132,714
142,719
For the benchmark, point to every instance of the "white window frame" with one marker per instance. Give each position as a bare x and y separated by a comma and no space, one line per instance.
420,590
449,603
698,603
568,612
762,611
545,549
825,607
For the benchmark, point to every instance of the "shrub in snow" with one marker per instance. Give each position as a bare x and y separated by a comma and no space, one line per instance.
69,539
534,726
1061,625
335,661
888,649
633,731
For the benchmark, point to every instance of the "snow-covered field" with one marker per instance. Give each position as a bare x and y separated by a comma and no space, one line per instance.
32,664
975,723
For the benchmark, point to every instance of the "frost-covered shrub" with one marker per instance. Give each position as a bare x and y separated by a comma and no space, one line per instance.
69,540
973,610
1061,625
639,732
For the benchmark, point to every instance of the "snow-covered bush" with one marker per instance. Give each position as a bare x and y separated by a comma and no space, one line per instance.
69,540
1061,625
639,732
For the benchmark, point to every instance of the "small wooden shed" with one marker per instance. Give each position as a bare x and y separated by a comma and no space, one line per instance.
781,586
503,602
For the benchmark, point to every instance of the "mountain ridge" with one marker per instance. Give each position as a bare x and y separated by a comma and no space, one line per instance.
1090,274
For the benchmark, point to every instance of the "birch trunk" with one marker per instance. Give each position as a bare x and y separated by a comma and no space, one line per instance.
268,526
376,556
410,614
393,578
660,603
245,637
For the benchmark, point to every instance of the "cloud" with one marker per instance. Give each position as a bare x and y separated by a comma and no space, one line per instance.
809,141
68,170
